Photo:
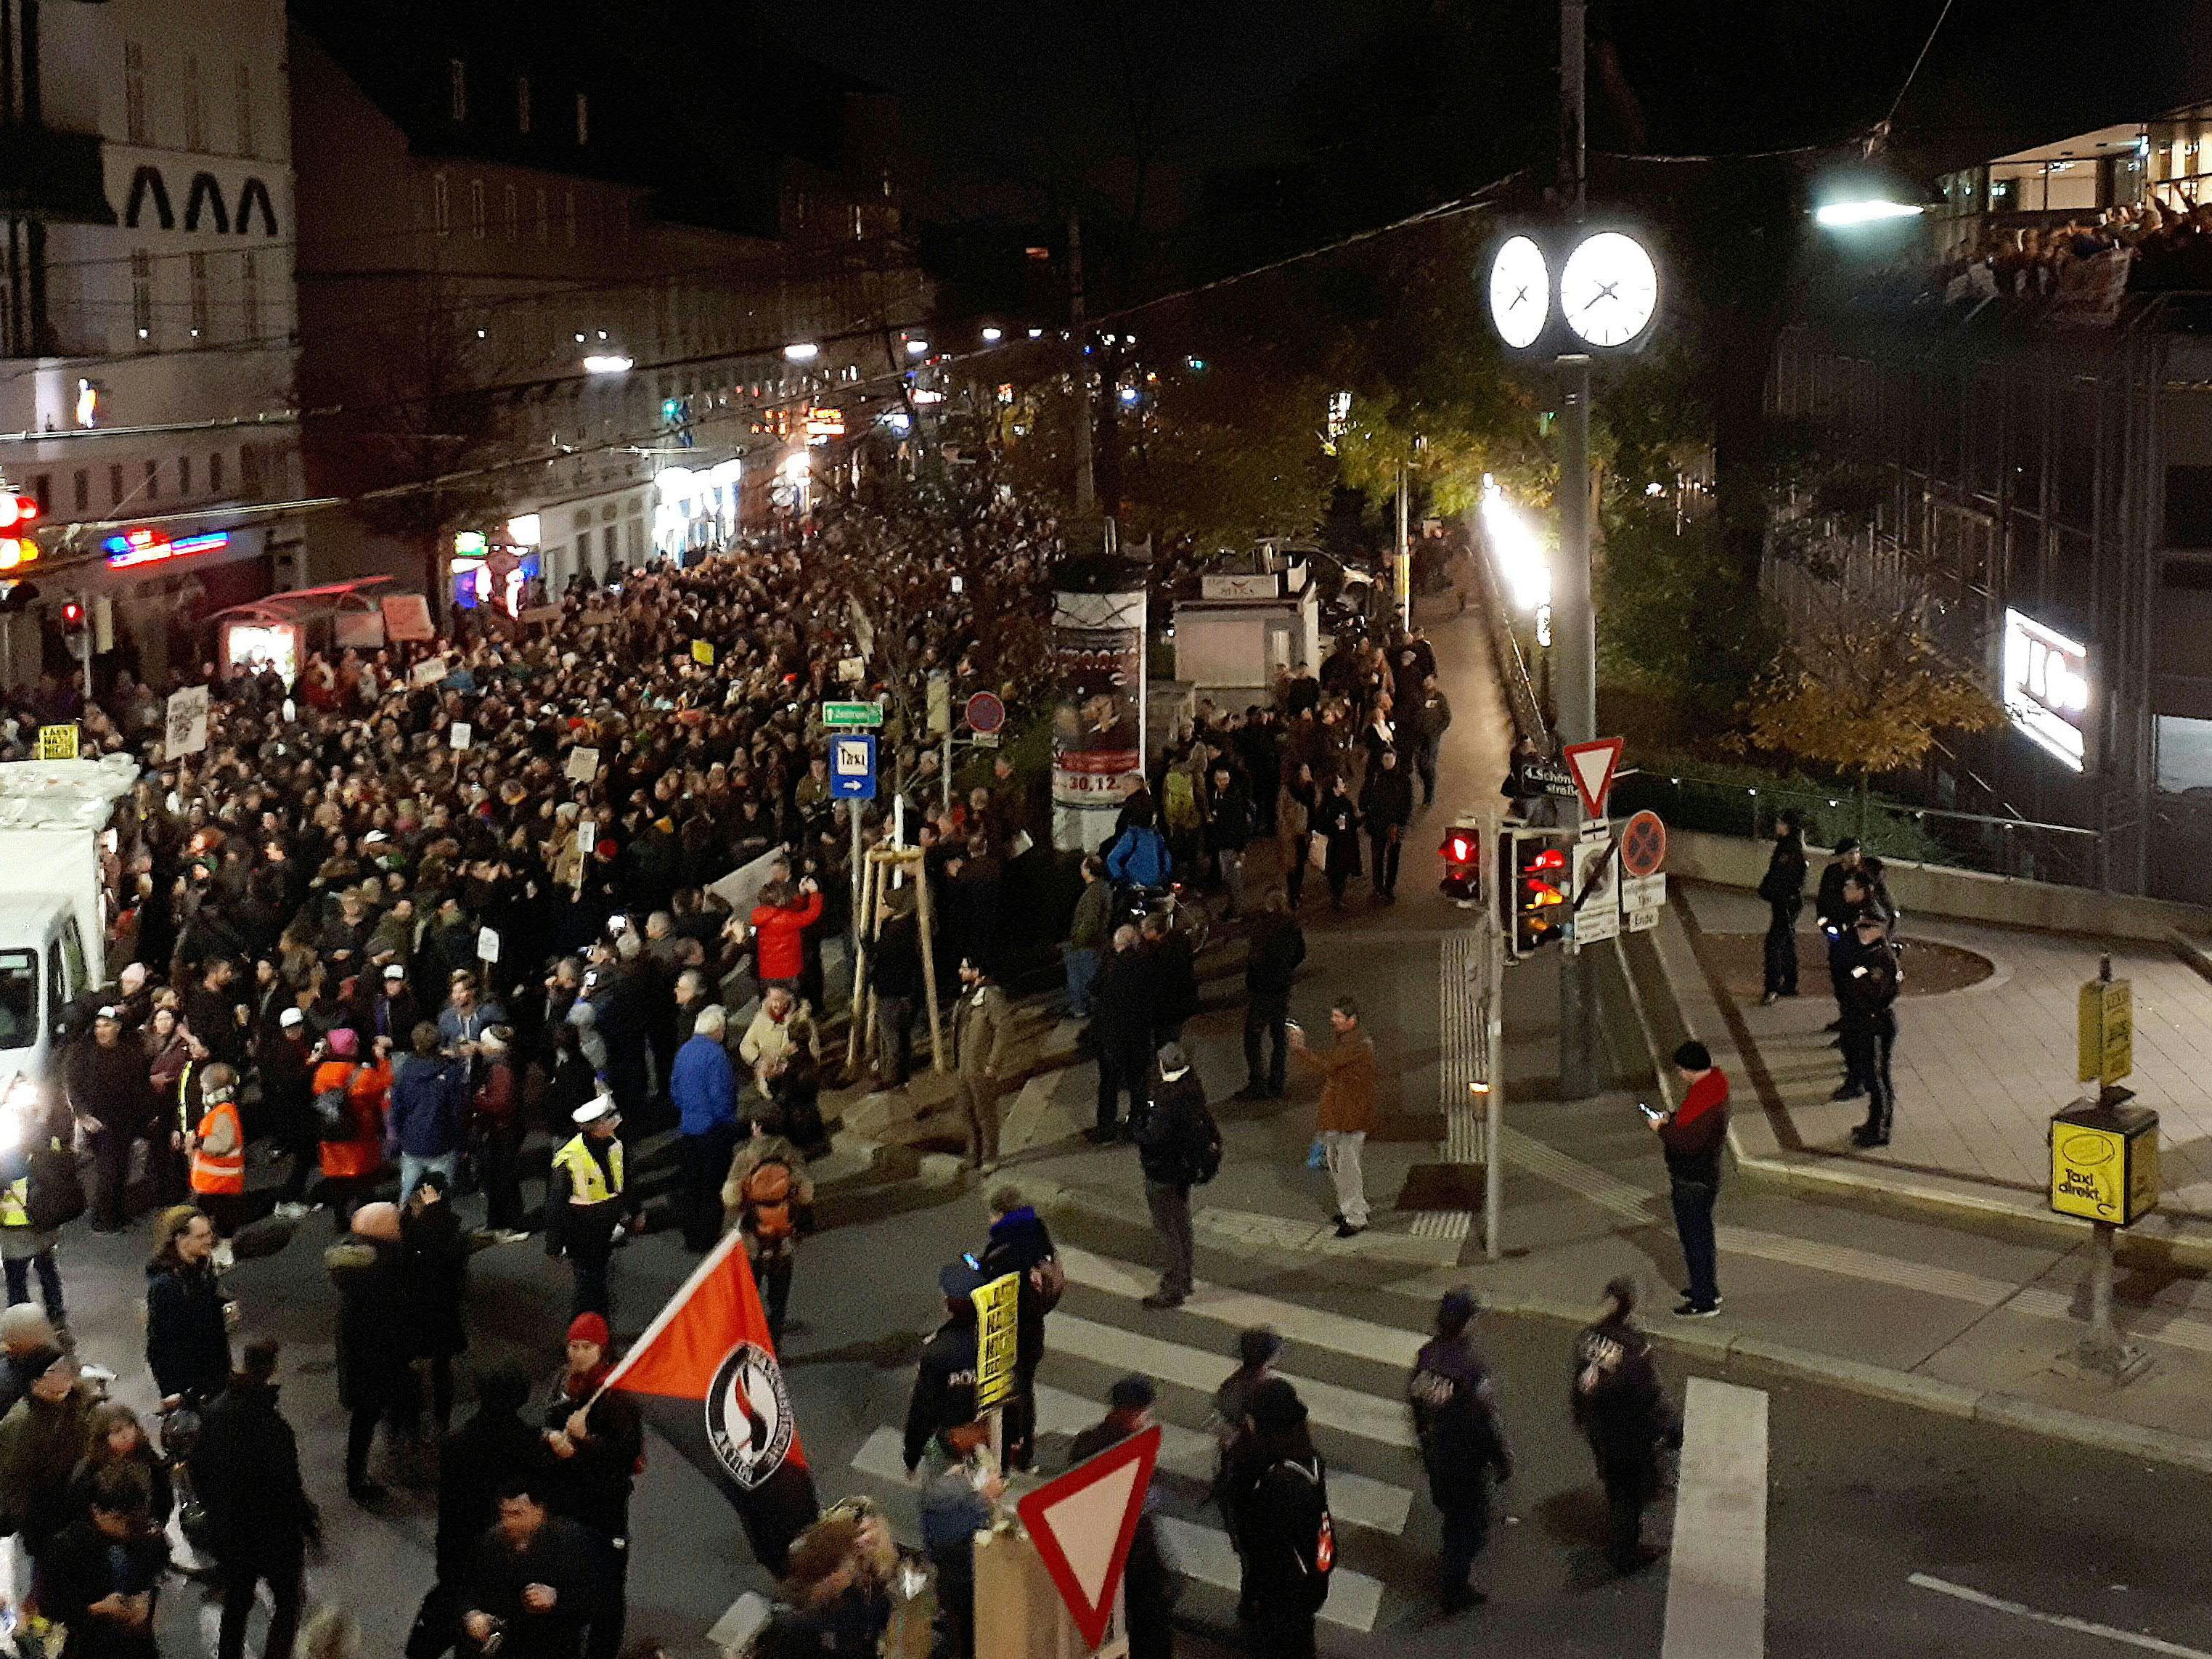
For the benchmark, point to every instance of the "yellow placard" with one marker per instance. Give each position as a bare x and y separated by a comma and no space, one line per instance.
2105,1041
998,1339
2088,1170
58,742
703,652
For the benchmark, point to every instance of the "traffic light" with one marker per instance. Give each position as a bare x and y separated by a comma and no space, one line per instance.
17,550
73,616
1462,855
1534,895
17,511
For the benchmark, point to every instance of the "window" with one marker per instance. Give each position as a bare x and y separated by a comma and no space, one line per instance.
246,134
441,208
583,120
457,89
41,490
199,264
510,200
134,92
19,999
476,209
249,296
83,482
153,481
214,473
195,110
522,104
142,295
249,470
568,215
185,476
2189,506
115,484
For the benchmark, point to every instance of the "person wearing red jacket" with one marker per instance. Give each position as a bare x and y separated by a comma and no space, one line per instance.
1692,1135
780,922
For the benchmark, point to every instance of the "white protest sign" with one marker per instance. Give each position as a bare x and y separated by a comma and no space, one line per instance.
460,735
428,671
583,764
487,945
187,733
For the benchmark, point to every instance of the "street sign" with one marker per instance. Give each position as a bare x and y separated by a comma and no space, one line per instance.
1549,779
985,713
998,1339
1592,765
1643,845
58,742
2106,1048
1641,898
1083,1523
866,715
1597,902
853,768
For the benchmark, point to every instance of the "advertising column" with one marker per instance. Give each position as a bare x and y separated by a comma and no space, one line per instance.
1098,655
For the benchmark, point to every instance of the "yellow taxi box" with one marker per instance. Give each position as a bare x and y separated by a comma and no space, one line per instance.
2104,1163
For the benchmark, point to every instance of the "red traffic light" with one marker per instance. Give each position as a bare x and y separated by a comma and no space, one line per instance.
17,510
1548,858
1459,847
73,614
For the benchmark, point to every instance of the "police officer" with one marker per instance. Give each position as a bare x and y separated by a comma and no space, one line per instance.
945,1383
1834,912
1462,1443
1623,1413
24,1247
590,1203
1870,985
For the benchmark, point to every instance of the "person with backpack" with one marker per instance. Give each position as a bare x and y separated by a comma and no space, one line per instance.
349,1096
1182,811
770,1198
1462,1443
1178,1147
1138,857
1286,1537
1020,1243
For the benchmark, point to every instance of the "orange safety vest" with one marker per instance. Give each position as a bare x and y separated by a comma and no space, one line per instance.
219,1173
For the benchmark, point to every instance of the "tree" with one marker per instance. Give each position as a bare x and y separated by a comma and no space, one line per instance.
1864,693
1673,618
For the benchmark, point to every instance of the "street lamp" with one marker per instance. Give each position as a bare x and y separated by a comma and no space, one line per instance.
806,352
994,334
607,362
1842,214
1514,547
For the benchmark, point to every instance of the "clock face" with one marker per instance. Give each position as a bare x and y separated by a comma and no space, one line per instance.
1520,291
1608,290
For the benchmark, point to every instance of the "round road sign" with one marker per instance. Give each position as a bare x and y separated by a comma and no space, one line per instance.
985,713
1643,845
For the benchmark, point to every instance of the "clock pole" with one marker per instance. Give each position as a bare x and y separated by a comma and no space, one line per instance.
1574,620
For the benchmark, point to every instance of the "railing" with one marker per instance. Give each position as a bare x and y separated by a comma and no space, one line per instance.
1521,700
2026,847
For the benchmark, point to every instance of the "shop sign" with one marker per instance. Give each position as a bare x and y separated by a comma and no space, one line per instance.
2046,687
137,547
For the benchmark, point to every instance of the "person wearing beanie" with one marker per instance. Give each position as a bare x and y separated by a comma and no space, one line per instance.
1286,1537
1148,1596
1622,1413
594,1439
1177,1146
372,1347
245,1470
1693,1137
1463,1443
357,1086
216,1148
41,1438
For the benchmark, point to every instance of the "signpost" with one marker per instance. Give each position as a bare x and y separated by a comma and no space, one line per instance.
986,714
1597,901
854,716
703,652
2106,1037
852,766
1641,898
1643,845
1083,1524
1592,766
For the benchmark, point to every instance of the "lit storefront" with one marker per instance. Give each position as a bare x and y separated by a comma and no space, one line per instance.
696,510
497,571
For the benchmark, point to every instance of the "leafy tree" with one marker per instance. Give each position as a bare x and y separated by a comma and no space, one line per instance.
1673,617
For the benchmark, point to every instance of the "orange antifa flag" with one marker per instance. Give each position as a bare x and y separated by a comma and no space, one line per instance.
705,1375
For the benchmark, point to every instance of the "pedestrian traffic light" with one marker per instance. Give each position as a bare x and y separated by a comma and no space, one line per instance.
73,616
1532,894
1462,856
17,510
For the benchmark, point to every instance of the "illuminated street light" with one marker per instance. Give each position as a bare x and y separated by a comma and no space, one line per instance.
992,335
917,347
1863,210
606,363
804,352
1521,562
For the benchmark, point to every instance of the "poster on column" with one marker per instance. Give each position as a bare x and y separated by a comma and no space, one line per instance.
187,729
1097,732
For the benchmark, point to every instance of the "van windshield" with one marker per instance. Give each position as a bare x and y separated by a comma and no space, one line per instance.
19,999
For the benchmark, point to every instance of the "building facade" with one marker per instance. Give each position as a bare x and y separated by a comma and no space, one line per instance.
148,313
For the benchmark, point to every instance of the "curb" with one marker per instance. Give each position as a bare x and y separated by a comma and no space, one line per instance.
2192,954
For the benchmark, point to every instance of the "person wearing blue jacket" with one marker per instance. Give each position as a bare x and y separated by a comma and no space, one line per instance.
704,1086
1139,856
429,1111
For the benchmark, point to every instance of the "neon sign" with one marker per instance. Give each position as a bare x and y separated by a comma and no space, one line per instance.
136,547
2046,687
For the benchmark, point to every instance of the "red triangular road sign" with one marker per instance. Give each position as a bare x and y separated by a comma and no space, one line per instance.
1082,1524
1591,765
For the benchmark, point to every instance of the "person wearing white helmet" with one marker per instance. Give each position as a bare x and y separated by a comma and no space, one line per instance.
590,1202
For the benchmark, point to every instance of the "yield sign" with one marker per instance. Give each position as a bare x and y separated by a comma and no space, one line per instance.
1592,765
1082,1524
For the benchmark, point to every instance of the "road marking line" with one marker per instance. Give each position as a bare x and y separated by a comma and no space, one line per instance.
1717,1569
1360,1338
1207,1555
2057,1620
1385,1423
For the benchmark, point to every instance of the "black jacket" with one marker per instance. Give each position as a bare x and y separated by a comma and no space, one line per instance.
1167,1134
1869,983
944,1386
594,1486
112,1086
78,1568
1616,1398
1456,1420
1829,905
1121,1001
1278,947
1281,1510
560,1557
1019,1240
1174,972
434,1273
1784,880
491,1449
246,1469
1388,801
187,1344
895,958
373,1345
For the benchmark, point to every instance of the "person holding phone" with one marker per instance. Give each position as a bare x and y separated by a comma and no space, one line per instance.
1692,1135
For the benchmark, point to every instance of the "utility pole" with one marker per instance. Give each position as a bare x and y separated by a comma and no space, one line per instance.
1574,623
1086,501
1403,568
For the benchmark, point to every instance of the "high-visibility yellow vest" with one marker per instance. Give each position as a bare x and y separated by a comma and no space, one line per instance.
15,1203
588,1182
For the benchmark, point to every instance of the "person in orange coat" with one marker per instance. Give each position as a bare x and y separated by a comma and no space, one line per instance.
779,922
351,1165
218,1157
